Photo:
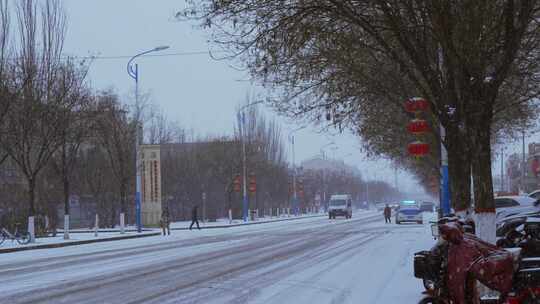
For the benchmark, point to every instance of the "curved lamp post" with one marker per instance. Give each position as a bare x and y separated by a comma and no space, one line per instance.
295,196
241,124
133,72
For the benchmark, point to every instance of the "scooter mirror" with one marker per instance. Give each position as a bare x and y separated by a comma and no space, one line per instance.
435,230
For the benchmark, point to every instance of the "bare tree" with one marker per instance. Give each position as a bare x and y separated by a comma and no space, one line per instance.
159,130
33,126
6,88
116,133
74,130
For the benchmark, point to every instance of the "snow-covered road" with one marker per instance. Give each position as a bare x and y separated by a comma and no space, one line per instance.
311,261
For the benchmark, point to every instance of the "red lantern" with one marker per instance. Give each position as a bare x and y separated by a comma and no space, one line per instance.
418,126
418,149
237,184
416,104
535,166
252,184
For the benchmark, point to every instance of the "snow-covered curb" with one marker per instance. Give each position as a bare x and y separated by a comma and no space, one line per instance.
75,242
185,224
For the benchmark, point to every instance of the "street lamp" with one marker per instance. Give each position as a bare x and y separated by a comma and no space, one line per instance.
323,169
133,72
241,122
291,139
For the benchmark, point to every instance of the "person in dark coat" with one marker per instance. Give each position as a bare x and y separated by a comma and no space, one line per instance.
194,219
165,223
387,214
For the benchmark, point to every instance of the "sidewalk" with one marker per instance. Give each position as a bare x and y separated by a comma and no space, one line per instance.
75,239
86,236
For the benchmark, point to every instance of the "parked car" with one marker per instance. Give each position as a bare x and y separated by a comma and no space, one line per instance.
535,194
427,206
409,211
380,206
363,205
340,205
506,206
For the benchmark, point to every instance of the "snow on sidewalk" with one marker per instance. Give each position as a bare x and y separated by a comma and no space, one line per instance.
74,238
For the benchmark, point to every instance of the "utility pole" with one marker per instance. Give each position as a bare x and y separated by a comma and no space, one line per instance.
367,190
133,72
502,169
241,126
445,183
204,207
395,177
522,181
295,196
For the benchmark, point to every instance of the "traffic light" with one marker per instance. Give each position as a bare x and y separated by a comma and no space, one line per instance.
252,183
300,188
237,183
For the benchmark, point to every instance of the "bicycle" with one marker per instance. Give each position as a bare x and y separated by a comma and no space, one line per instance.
22,238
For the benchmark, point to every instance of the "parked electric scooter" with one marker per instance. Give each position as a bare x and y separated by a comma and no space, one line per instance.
430,265
522,235
457,261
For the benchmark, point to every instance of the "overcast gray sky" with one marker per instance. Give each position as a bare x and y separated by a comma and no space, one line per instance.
197,91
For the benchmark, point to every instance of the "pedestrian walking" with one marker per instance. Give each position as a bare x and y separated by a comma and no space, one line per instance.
165,223
387,214
194,219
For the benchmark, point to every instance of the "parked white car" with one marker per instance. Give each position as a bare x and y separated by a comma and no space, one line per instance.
511,205
535,194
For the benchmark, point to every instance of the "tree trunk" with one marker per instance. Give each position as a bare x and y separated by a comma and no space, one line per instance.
459,169
482,180
113,215
31,209
123,206
66,205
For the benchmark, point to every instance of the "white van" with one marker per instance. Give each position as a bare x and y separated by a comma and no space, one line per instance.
340,205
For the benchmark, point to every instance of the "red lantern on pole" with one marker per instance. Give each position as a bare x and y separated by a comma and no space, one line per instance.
418,126
418,149
416,104
535,167
237,184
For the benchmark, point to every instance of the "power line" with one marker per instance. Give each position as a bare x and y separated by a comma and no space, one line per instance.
98,57
149,55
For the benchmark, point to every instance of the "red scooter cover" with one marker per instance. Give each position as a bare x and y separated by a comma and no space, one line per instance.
468,254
